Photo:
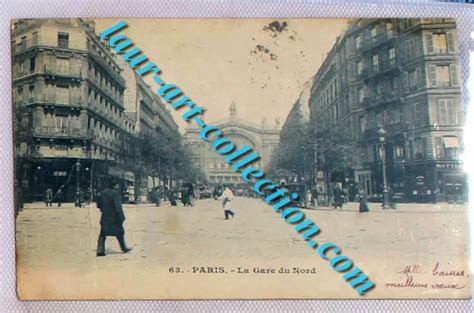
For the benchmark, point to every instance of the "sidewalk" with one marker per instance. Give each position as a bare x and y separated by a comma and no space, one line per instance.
400,207
348,207
42,205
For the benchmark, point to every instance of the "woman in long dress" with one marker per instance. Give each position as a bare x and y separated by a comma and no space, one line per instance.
227,197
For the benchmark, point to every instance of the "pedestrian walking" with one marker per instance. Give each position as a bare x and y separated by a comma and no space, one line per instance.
338,197
172,197
59,195
315,197
363,203
158,196
48,199
190,195
184,196
227,197
89,196
391,198
155,196
112,218
309,198
216,193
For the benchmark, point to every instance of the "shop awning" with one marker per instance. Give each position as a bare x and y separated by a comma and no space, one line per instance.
117,173
451,142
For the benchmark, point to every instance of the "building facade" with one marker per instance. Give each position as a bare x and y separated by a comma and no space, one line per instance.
150,116
397,79
68,95
262,138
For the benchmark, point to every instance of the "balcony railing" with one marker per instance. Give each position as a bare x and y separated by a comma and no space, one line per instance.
377,40
104,64
52,97
107,143
385,98
69,71
119,123
23,45
392,129
106,90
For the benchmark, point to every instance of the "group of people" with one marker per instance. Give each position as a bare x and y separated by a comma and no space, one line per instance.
51,197
187,195
340,198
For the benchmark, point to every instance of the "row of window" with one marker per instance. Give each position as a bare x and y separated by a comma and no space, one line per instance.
97,50
438,76
65,94
63,66
111,111
447,147
416,114
222,166
225,178
105,82
372,35
443,75
376,62
63,42
436,42
63,121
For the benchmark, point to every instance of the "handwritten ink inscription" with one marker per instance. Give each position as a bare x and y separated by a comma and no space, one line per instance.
415,276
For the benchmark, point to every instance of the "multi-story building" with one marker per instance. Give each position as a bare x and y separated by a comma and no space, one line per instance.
68,90
262,138
401,77
150,116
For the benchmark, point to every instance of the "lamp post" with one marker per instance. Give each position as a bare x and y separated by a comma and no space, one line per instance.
382,133
78,191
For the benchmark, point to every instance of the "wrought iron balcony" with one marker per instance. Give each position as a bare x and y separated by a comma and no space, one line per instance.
52,71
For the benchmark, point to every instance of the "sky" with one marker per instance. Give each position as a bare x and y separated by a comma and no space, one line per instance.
261,68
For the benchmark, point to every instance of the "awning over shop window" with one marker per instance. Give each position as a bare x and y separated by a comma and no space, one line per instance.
127,175
451,142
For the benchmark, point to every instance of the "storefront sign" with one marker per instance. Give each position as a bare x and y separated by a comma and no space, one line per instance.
448,165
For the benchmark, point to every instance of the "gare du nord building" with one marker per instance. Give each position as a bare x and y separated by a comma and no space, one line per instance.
263,138
73,110
397,79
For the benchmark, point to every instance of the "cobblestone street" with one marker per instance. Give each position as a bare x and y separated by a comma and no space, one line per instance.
56,252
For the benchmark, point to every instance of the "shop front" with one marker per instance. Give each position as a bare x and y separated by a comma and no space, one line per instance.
436,181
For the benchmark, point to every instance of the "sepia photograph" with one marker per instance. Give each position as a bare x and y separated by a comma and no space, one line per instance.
176,159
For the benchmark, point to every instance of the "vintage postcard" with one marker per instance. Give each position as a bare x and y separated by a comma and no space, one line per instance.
239,159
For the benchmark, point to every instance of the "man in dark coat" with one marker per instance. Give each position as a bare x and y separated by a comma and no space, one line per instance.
59,195
338,197
391,198
172,197
190,195
111,221
363,203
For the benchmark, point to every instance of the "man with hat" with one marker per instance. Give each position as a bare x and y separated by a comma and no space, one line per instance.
111,221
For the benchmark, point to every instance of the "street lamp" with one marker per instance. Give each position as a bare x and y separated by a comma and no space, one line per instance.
382,134
78,191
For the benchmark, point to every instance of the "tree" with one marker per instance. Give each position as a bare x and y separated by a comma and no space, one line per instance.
334,148
295,154
160,156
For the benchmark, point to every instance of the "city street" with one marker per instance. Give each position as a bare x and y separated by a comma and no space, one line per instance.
56,252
